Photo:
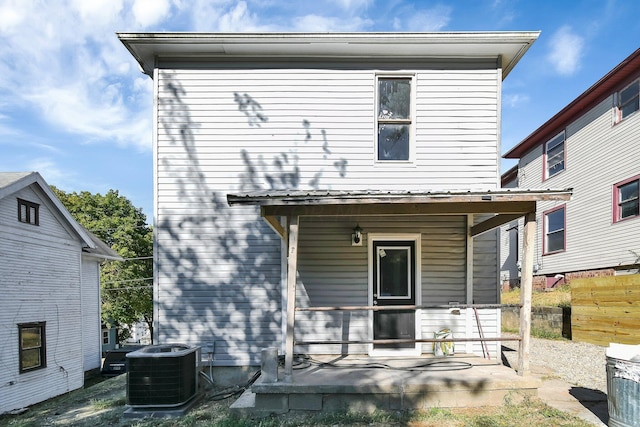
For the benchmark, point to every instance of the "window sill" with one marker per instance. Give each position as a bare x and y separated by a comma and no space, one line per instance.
554,252
394,164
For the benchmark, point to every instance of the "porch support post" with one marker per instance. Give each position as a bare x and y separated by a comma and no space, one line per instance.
526,289
469,283
292,269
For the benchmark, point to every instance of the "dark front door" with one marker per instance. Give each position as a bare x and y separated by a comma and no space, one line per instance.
394,283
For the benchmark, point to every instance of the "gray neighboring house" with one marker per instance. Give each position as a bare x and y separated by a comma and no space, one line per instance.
592,146
298,172
50,333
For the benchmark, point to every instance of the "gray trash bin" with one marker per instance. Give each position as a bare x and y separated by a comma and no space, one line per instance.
623,392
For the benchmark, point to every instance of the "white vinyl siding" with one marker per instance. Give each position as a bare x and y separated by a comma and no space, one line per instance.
40,282
91,331
242,130
601,154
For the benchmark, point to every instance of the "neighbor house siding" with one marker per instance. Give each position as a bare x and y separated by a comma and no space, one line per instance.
248,129
91,331
598,155
40,282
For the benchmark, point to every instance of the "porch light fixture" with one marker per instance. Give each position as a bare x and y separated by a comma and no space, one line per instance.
356,237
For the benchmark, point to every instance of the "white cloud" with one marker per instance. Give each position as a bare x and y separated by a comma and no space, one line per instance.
66,64
514,100
353,4
11,16
238,18
434,19
51,173
566,51
327,23
150,12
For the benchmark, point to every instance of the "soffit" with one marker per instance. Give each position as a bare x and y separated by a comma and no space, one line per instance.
508,47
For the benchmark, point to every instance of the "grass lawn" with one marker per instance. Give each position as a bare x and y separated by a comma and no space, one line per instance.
103,403
560,297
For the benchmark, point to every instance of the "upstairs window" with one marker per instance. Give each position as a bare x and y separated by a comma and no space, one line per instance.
629,100
625,196
554,230
554,155
32,346
394,119
28,212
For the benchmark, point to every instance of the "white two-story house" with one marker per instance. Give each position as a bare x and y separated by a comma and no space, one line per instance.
303,181
591,145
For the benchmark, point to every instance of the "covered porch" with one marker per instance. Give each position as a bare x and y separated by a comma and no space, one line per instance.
412,378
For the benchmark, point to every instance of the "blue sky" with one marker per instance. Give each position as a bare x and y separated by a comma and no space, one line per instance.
74,106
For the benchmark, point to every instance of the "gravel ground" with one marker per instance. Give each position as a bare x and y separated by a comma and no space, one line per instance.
577,363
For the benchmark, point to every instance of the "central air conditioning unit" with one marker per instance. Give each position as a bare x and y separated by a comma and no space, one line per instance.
162,376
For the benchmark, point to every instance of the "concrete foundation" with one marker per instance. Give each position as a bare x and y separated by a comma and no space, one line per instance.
366,385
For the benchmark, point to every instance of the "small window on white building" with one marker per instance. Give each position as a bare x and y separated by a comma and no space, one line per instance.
32,346
28,212
554,230
629,100
625,196
554,155
394,120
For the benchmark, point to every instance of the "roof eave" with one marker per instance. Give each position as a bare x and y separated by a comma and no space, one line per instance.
589,98
508,47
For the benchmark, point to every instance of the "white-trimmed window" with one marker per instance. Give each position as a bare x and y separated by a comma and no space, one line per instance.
105,337
625,199
629,100
554,155
394,118
554,230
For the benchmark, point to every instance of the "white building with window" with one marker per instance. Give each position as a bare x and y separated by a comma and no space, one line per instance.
591,145
49,294
298,172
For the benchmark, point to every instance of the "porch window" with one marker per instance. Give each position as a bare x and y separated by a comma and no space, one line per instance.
554,230
554,155
28,212
394,119
625,196
629,100
32,346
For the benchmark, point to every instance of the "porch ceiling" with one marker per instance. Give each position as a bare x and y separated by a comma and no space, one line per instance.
506,205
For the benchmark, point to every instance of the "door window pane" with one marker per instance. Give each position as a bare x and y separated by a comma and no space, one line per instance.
394,275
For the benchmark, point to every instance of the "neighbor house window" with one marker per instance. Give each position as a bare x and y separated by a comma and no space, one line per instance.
554,230
105,337
625,197
394,119
32,346
28,212
629,99
554,155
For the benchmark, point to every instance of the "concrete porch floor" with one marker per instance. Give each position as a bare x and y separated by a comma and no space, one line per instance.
360,383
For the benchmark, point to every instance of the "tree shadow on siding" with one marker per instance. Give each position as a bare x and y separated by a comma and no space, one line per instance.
224,261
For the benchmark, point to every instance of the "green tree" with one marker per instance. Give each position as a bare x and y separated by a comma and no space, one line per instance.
126,286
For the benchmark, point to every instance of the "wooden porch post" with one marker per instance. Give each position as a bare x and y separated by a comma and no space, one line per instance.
526,289
292,270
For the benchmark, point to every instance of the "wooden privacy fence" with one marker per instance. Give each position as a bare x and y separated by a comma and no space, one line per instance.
606,310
